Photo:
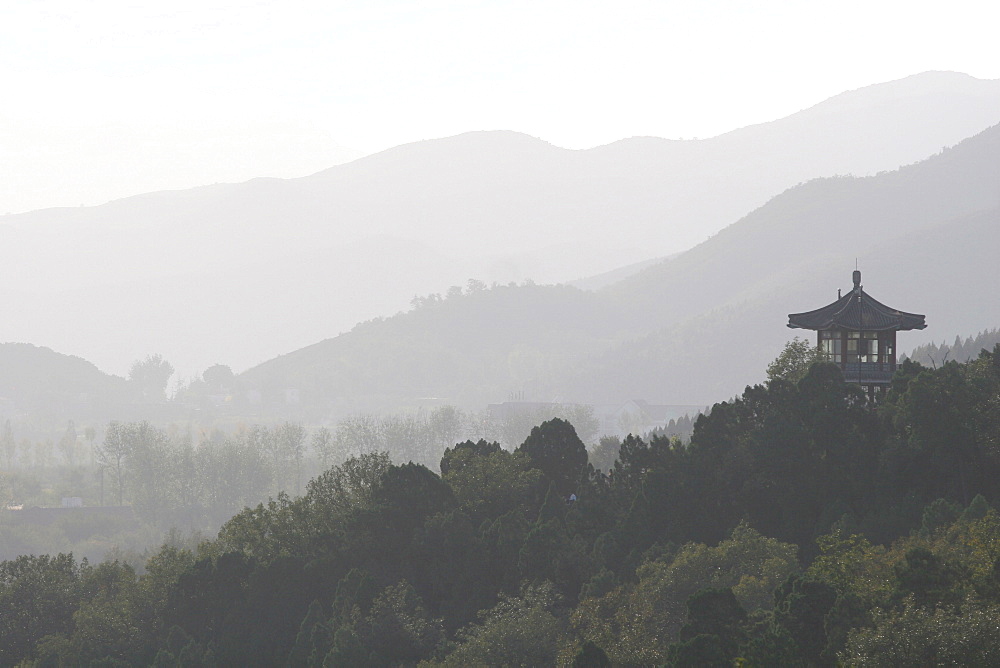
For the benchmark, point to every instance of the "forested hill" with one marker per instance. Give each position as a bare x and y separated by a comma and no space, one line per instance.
924,237
269,266
697,327
42,382
800,526
959,351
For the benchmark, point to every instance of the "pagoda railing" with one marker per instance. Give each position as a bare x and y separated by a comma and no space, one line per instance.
868,372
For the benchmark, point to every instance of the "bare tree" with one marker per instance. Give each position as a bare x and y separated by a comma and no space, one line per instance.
112,455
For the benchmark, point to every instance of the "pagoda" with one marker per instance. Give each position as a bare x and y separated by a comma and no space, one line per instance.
858,333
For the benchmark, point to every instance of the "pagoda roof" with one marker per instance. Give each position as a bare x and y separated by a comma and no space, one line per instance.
857,311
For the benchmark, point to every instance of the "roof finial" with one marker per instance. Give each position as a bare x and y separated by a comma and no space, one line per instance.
857,279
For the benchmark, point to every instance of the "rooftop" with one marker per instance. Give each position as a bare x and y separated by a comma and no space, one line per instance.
857,311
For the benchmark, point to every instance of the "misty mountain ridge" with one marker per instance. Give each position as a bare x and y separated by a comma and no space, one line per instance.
241,272
42,382
701,326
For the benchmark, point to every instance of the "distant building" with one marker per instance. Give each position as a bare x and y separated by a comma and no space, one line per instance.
509,410
858,333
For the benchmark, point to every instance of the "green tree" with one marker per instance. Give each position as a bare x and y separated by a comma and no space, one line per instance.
554,448
801,606
38,596
922,636
591,656
520,631
401,631
305,645
794,361
638,623
716,612
151,376
489,481
928,578
218,377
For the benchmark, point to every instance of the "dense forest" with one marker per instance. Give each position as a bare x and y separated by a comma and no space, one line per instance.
960,350
797,526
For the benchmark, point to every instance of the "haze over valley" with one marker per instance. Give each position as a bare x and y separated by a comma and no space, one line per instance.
239,273
456,334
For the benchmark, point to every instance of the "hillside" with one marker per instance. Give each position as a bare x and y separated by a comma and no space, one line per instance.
932,354
697,328
238,273
44,383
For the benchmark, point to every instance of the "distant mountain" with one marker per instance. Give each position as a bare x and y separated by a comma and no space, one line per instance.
44,383
699,327
607,278
238,273
925,237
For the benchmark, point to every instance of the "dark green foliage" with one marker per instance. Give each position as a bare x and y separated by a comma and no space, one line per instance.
502,539
164,659
37,598
977,509
549,553
794,361
716,612
771,644
849,612
553,508
408,494
939,515
493,563
800,607
305,641
599,585
347,649
490,482
261,628
591,656
456,458
603,456
517,631
930,580
920,636
554,448
700,651
401,631
453,575
206,593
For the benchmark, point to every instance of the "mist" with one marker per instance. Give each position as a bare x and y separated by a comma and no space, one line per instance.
457,336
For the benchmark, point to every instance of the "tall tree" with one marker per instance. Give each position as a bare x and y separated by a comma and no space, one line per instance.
554,448
150,376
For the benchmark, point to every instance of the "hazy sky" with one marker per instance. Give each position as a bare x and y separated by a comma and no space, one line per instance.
106,98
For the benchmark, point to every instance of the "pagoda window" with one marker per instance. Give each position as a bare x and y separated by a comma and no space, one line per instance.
831,344
862,346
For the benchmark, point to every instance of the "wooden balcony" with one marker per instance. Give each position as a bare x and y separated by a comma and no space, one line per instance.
867,373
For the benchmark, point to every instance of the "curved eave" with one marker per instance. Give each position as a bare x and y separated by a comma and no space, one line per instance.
852,327
849,313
